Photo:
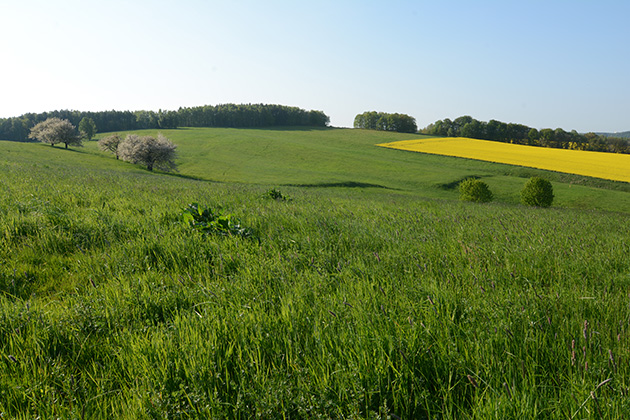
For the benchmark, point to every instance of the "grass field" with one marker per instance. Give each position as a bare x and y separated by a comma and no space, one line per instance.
613,166
351,301
350,158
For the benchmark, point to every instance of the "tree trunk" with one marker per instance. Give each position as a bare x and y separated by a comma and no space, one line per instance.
66,145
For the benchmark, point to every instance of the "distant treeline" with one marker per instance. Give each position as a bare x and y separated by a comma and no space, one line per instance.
373,120
467,126
621,135
228,115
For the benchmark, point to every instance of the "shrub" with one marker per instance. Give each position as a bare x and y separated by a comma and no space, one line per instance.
537,192
475,190
275,194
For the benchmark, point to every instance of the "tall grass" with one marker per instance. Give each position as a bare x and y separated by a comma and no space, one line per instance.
347,304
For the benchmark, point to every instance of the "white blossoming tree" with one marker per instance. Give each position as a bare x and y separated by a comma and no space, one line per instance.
153,152
110,144
56,130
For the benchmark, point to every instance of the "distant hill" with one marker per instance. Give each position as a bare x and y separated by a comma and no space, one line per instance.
622,135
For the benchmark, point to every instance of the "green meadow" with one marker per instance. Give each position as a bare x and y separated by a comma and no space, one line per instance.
372,292
350,158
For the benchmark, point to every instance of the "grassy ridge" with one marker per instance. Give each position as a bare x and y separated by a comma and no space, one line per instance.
352,302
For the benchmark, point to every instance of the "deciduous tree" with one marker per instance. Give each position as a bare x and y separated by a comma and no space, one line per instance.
87,127
56,130
110,144
150,151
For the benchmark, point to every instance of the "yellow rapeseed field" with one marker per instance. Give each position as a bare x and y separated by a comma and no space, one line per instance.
596,164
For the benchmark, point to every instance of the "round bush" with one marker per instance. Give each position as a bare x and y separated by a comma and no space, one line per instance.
537,192
475,190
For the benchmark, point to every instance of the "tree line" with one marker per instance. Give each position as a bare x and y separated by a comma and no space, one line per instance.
494,130
383,121
231,115
228,115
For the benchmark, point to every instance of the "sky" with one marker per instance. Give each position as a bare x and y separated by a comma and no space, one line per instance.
545,64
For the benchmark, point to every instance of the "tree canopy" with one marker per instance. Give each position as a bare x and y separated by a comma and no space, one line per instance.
87,127
373,120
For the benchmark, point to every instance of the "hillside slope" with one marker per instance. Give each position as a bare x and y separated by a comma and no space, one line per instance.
350,158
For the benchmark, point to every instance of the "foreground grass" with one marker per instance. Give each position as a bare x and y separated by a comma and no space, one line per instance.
350,303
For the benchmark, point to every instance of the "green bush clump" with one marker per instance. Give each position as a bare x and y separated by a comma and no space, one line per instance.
472,189
275,194
205,220
537,192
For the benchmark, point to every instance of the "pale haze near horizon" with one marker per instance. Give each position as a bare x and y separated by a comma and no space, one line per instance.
545,64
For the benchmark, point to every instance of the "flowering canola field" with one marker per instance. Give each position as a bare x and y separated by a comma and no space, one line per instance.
595,164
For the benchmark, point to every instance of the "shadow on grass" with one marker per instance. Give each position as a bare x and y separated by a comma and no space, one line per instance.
455,184
61,146
347,184
184,176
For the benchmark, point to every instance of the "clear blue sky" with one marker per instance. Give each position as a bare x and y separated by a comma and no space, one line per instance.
546,64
